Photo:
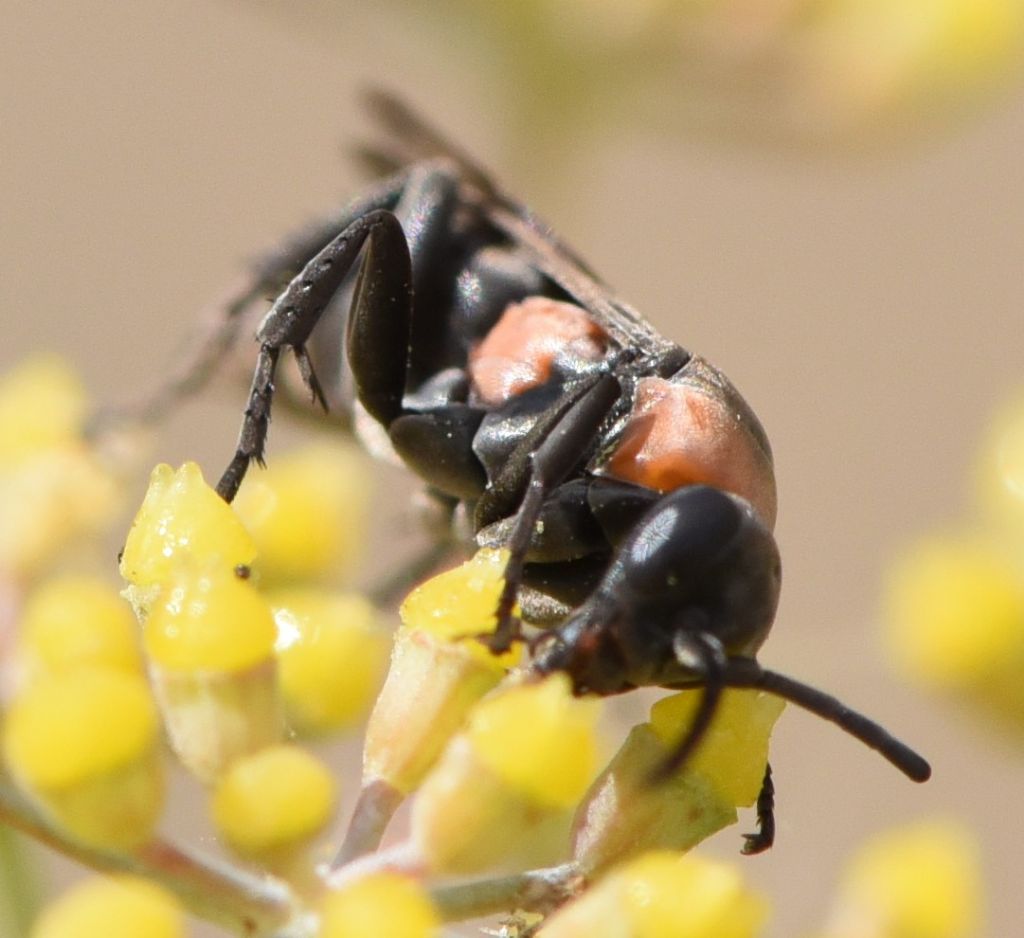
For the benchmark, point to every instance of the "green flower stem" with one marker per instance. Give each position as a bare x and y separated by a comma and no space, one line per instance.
19,890
243,903
377,804
539,891
400,858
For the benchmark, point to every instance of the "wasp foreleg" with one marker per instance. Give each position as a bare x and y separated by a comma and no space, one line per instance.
296,312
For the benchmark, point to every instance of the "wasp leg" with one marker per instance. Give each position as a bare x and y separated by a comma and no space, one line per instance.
550,463
438,446
296,312
765,836
388,356
268,274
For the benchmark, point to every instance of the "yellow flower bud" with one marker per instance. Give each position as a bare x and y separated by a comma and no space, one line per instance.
496,801
438,671
210,641
307,512
47,500
539,738
114,907
182,518
921,881
956,622
734,750
84,746
626,813
209,620
331,653
663,895
75,622
272,803
42,406
379,904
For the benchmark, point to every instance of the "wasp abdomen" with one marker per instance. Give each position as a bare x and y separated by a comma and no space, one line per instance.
694,428
532,340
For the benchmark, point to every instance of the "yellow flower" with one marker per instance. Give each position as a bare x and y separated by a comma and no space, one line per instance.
438,670
274,801
84,745
331,652
625,813
114,907
42,407
956,624
920,881
379,904
209,620
75,622
182,518
210,640
307,512
502,793
539,739
663,895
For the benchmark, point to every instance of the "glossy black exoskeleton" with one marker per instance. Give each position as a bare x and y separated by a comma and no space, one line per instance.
630,481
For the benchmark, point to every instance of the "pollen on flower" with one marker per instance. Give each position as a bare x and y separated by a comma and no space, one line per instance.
734,750
379,904
664,895
922,881
539,738
114,907
209,620
182,518
331,652
276,798
307,512
75,622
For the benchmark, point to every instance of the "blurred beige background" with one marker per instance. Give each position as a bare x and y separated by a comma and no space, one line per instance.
869,306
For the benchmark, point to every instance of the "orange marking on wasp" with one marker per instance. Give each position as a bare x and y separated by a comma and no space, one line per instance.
678,434
525,345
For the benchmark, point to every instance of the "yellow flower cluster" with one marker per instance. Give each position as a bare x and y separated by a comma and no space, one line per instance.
956,601
230,666
799,69
239,641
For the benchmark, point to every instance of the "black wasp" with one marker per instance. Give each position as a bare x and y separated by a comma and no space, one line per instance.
630,481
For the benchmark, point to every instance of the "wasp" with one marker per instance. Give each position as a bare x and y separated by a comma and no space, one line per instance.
631,483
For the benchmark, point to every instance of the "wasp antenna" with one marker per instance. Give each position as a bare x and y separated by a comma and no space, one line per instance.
702,654
745,672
